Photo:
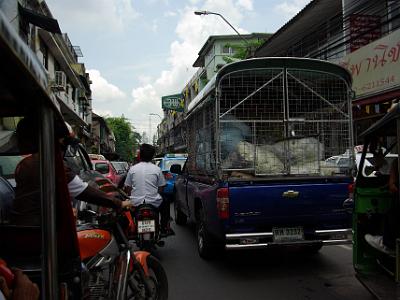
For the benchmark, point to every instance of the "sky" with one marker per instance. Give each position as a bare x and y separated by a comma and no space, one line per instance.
139,50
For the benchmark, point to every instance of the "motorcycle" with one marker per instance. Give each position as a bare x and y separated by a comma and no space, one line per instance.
113,270
144,220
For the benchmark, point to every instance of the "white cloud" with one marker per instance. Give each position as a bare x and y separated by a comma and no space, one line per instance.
102,90
103,113
113,15
192,32
154,26
144,79
246,4
170,14
291,8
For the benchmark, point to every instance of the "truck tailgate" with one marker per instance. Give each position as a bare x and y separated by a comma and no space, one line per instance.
313,204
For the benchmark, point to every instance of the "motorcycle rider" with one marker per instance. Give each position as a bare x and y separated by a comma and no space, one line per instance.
145,183
26,206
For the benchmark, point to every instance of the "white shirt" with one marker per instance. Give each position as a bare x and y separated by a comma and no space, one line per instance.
145,178
76,186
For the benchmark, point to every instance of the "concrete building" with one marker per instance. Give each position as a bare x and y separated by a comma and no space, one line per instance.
103,138
217,51
68,81
362,35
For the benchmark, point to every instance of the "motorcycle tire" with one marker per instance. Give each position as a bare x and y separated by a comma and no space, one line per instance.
158,277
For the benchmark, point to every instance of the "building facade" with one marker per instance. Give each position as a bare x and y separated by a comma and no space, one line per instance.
68,81
361,35
217,51
103,138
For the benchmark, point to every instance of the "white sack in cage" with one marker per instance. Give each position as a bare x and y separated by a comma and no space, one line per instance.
301,150
265,161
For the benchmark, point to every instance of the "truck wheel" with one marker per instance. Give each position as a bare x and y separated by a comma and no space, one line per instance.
205,246
180,218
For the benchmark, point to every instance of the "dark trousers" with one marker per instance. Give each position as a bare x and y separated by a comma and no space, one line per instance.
165,213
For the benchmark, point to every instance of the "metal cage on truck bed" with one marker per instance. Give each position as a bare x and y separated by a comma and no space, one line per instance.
272,116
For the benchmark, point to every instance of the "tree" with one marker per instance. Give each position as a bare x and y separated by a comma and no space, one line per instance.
126,139
241,51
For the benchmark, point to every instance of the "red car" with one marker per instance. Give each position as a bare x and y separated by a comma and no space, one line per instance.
106,168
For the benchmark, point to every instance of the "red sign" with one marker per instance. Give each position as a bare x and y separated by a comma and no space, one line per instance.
364,29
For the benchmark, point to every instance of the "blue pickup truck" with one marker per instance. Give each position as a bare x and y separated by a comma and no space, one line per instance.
256,176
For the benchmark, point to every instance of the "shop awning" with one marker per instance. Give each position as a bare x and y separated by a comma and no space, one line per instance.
386,125
42,21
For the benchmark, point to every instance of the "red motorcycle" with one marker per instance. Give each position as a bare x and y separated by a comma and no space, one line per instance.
114,270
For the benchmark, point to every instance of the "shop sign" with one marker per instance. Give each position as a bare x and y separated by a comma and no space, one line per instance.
375,67
173,102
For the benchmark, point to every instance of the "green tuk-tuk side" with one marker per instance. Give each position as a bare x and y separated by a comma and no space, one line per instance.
375,205
48,253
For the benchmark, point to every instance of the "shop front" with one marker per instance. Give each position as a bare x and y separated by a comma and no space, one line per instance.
375,69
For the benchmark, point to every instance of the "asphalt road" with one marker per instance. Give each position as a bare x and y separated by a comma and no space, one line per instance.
267,274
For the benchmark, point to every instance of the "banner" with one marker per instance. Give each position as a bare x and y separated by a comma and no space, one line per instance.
375,67
173,102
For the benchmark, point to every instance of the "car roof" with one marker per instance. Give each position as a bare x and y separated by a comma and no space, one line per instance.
100,161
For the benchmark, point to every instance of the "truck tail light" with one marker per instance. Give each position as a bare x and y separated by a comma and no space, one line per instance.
168,175
350,189
223,203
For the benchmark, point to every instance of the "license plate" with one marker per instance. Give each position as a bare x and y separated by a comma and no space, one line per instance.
146,226
287,234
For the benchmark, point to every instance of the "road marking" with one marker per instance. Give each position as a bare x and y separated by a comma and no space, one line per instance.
345,247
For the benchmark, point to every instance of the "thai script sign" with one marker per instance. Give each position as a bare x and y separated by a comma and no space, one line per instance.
363,30
173,102
375,67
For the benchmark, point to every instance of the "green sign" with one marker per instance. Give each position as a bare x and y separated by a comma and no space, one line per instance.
173,102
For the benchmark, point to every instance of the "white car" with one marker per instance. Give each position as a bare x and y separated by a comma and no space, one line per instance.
374,166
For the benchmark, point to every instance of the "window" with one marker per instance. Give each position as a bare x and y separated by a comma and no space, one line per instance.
228,50
45,54
75,160
169,163
103,168
393,14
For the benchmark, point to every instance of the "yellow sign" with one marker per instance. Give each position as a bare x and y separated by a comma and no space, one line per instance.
376,66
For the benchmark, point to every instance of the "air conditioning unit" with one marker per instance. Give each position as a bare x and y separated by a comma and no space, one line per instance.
60,81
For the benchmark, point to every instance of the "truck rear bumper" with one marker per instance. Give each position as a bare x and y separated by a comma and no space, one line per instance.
260,240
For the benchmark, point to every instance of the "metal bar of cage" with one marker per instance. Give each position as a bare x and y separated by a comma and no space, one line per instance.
272,121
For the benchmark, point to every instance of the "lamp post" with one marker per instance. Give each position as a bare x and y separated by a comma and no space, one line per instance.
153,114
205,12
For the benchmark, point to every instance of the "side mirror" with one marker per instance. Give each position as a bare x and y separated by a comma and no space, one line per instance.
177,169
369,170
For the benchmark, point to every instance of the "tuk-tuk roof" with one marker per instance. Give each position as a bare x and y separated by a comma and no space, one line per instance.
23,78
385,125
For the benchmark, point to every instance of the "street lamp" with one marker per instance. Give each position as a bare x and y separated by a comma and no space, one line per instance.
153,114
205,12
